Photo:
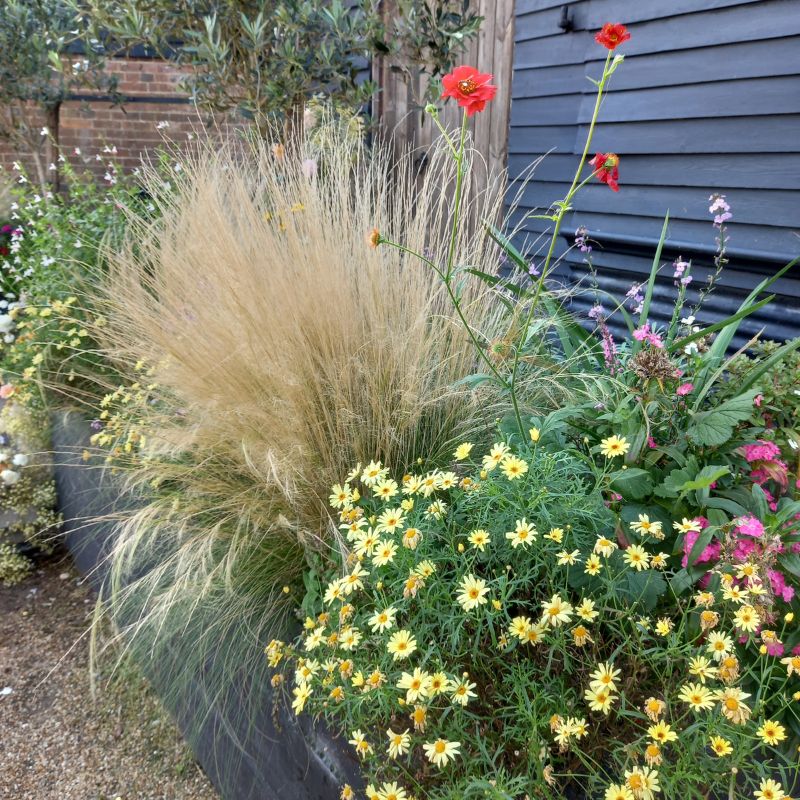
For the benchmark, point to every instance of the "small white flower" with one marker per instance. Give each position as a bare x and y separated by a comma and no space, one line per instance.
688,320
20,460
9,477
45,132
793,444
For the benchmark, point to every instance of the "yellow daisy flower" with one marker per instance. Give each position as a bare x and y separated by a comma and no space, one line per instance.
479,539
746,619
732,704
697,697
701,668
605,546
473,592
721,747
385,489
604,677
617,791
401,644
556,611
391,791
462,451
385,552
301,694
398,743
770,790
599,699
643,782
771,732
593,565
662,733
462,692
613,446
519,627
495,456
644,526
441,751
636,557
359,741
586,610
513,467
382,620
415,684
523,534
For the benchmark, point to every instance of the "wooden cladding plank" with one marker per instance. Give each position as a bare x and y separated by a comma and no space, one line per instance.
747,237
536,19
744,22
759,207
766,134
716,171
731,62
752,97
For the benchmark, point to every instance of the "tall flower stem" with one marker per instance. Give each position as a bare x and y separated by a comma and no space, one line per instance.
562,208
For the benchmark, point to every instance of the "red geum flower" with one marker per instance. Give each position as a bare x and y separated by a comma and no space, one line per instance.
612,35
606,167
472,89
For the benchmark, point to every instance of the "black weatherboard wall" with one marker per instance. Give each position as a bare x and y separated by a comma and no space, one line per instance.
708,100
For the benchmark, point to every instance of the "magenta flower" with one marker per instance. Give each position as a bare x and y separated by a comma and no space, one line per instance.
684,389
749,526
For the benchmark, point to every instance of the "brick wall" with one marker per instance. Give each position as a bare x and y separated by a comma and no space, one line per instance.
90,122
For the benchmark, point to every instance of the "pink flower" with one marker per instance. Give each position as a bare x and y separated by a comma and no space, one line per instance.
651,442
710,552
758,400
749,526
780,589
6,390
762,450
644,334
684,389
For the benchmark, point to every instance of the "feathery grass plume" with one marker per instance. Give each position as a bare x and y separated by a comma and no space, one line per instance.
273,349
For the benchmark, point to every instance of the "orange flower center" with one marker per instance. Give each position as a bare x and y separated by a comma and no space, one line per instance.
467,86
440,746
731,703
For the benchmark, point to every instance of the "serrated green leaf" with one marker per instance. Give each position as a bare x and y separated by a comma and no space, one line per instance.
715,426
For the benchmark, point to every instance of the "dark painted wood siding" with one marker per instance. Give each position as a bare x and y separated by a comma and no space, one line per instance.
708,100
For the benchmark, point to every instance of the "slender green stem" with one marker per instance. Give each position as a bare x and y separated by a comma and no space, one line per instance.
457,203
456,304
563,208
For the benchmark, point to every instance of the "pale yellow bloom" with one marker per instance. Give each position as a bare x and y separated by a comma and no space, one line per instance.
382,620
721,747
613,446
401,644
770,790
513,467
462,451
479,539
473,592
441,751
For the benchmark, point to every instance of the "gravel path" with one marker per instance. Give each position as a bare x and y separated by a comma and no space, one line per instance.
56,743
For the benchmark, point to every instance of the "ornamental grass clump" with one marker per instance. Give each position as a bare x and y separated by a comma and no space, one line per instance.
265,346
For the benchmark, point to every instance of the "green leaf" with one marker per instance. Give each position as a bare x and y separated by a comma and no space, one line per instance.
715,426
633,483
648,297
790,562
475,379
495,281
718,326
644,588
705,478
673,483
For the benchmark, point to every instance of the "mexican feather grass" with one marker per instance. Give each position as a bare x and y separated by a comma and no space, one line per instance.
267,349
